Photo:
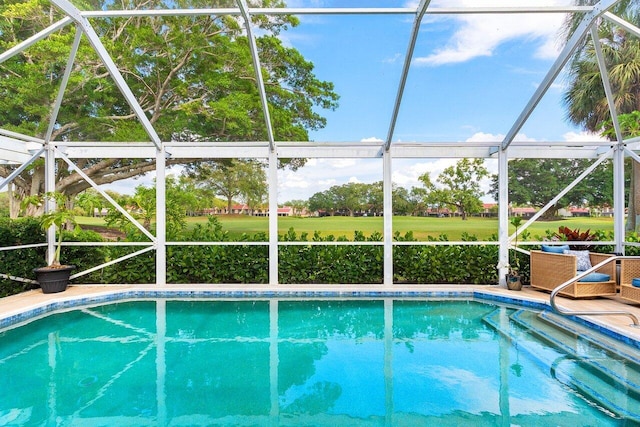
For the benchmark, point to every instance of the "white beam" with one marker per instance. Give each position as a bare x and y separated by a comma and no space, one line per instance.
21,168
272,177
286,150
568,188
258,71
503,216
111,67
622,23
422,7
557,66
387,200
20,136
336,11
49,202
161,219
15,145
12,157
34,39
74,168
606,83
618,199
63,84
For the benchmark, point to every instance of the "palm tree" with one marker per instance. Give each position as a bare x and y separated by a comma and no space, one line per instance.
585,97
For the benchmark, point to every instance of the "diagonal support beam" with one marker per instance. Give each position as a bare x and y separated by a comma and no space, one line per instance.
557,66
74,168
244,9
63,84
22,167
34,39
622,23
420,11
113,261
94,40
560,195
606,83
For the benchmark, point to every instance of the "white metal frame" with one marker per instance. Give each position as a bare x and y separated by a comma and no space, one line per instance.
24,149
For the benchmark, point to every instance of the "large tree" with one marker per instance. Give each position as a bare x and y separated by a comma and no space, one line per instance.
192,75
585,95
231,179
537,181
348,198
459,186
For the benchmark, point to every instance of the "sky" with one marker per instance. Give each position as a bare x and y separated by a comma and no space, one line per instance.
470,78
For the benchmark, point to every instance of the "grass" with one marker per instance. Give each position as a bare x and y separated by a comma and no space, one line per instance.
453,228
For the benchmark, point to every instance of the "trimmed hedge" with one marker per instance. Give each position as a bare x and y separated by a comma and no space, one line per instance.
239,263
20,262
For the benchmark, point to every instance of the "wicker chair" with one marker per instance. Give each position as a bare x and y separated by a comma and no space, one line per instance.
629,270
549,270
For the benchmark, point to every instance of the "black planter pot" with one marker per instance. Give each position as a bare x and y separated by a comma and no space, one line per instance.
53,280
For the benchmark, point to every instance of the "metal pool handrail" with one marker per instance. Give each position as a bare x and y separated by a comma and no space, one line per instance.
569,282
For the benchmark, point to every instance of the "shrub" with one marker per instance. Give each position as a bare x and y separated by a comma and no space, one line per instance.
20,262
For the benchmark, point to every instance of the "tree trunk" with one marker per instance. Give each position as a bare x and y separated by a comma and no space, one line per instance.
14,203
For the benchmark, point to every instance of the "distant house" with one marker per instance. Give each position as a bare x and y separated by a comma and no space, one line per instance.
604,211
524,212
285,211
489,209
244,209
439,212
574,211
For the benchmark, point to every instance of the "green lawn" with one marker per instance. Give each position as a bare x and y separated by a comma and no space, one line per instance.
453,228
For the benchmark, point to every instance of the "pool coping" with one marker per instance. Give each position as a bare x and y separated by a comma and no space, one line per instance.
17,309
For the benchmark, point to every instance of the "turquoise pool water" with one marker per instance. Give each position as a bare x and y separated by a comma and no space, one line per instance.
315,362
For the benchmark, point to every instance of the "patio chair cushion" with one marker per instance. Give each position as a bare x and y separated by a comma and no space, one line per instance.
636,282
554,249
584,262
596,277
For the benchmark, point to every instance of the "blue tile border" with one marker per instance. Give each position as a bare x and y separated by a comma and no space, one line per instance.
212,294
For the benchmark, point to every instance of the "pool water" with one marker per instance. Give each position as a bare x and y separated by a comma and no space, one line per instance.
312,362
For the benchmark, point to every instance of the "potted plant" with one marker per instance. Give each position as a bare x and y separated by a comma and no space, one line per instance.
54,277
513,275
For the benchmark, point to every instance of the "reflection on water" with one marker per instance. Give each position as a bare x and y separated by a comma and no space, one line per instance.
329,362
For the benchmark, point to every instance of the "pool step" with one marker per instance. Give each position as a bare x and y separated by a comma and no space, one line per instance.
602,370
608,357
540,352
581,376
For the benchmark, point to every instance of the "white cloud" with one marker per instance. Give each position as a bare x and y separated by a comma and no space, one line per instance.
485,137
393,59
321,174
490,137
327,183
371,139
338,163
480,34
583,136
407,171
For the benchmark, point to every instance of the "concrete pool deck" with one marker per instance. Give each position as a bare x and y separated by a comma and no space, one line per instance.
15,305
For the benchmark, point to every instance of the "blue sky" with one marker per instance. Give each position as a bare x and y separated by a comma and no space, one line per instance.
471,76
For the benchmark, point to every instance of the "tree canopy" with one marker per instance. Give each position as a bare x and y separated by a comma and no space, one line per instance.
585,97
460,186
192,75
233,178
537,181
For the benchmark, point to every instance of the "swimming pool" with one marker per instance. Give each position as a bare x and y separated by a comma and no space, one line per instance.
311,362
